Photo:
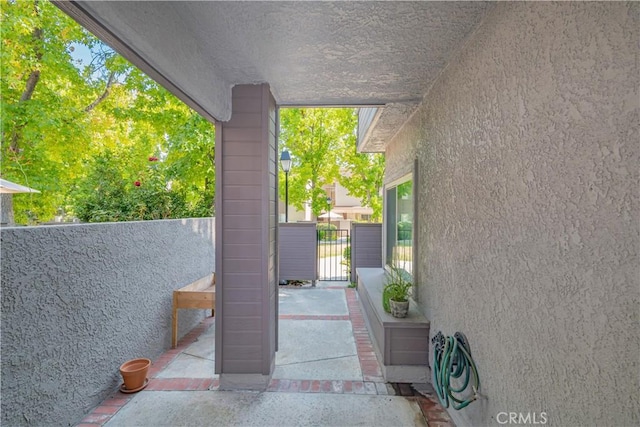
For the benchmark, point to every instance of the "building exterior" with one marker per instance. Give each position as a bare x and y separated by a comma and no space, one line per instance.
510,132
344,209
524,157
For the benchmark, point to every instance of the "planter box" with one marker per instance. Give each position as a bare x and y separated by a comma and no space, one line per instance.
402,345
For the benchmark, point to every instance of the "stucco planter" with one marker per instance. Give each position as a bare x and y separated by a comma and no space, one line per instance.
134,373
399,308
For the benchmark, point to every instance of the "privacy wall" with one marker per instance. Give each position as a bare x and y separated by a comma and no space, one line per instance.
366,247
298,251
528,154
79,300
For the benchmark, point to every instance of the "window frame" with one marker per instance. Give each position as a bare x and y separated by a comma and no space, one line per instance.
409,177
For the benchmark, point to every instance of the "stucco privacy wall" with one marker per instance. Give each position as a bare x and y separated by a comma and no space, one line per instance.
78,300
528,198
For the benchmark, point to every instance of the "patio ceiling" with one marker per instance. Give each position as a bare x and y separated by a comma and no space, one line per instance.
310,53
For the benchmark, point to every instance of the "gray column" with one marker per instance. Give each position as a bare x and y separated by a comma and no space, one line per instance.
246,197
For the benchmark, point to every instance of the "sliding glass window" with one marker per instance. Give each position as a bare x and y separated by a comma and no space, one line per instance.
399,224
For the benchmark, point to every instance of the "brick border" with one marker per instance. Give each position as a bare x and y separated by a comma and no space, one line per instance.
309,286
330,387
167,357
312,317
373,383
107,409
182,384
110,406
433,411
369,364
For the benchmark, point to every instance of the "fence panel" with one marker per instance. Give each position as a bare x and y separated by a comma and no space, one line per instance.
297,251
366,246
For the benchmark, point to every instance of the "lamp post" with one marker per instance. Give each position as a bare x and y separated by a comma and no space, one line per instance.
329,203
285,161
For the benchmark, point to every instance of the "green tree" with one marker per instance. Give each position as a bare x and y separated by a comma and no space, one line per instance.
363,176
322,143
191,164
313,136
61,119
108,193
43,124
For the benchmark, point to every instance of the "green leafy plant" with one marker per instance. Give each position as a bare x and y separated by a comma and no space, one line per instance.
405,230
346,258
69,102
397,287
327,232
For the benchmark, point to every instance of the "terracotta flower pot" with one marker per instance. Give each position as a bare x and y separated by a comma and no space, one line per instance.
134,373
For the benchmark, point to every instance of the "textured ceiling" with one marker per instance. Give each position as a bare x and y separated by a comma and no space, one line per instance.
311,53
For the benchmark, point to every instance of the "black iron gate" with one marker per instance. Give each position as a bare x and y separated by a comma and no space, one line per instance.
334,255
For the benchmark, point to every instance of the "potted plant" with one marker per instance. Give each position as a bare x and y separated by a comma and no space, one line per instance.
395,294
134,374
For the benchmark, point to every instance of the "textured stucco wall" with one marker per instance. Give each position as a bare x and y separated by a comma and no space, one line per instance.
528,198
310,53
78,300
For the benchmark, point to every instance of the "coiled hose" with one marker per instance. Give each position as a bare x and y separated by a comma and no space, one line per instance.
452,359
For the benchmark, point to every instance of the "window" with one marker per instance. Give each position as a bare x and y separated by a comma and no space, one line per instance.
399,224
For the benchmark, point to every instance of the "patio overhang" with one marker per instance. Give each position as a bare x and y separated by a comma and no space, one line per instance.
383,54
236,63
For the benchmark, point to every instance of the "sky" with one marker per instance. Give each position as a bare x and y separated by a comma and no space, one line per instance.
81,53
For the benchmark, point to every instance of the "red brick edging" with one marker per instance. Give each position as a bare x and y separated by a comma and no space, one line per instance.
108,408
372,384
330,386
311,317
433,411
366,355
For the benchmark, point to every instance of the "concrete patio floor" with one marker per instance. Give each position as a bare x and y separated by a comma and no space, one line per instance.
326,374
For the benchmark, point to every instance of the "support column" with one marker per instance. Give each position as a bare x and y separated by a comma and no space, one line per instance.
246,250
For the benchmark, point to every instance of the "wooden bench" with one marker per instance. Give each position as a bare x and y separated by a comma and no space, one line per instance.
200,294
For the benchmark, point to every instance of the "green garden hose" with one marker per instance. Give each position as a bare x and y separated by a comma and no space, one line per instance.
452,359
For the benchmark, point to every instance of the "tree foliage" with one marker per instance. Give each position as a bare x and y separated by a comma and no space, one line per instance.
363,176
312,136
69,129
83,133
322,144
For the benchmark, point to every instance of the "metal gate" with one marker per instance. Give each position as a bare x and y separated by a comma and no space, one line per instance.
334,255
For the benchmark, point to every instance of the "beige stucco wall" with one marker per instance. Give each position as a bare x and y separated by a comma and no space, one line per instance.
528,198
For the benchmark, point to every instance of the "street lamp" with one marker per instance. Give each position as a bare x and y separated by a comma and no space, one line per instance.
285,161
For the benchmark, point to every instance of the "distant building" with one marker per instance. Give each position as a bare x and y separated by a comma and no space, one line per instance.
344,209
